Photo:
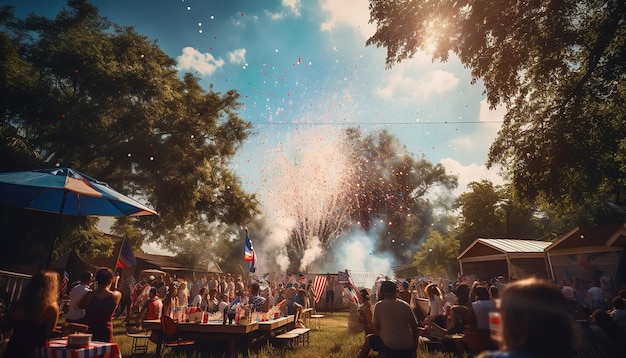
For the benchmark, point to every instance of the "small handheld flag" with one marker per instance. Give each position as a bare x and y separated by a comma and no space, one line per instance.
248,253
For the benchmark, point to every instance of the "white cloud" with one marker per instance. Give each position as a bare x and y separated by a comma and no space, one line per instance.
276,15
491,120
401,85
237,56
203,63
351,13
293,6
489,115
470,173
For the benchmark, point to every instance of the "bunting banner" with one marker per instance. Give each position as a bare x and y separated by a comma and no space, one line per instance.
319,286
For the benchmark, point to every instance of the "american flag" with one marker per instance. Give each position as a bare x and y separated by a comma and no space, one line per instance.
64,282
352,289
319,286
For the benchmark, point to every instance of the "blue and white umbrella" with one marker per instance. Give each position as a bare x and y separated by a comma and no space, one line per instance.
65,191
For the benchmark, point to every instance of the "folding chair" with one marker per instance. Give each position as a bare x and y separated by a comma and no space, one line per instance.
170,335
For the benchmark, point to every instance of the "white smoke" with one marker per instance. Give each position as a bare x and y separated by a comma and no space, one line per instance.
312,252
357,252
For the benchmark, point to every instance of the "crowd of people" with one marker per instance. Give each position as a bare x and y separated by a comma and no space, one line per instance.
539,318
152,296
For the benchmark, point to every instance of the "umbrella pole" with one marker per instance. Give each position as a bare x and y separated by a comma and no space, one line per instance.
56,231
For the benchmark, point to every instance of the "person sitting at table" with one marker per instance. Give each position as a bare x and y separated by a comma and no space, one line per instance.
100,305
223,303
170,302
290,307
198,300
33,317
152,309
212,303
256,302
75,314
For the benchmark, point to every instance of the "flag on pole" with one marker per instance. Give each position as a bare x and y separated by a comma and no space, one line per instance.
125,258
352,288
319,286
248,253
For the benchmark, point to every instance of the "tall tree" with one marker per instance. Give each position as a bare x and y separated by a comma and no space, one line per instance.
437,256
83,92
557,66
391,190
491,211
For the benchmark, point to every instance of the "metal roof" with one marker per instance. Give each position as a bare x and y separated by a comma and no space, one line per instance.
505,246
516,245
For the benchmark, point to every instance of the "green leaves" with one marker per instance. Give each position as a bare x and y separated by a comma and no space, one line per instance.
557,66
80,91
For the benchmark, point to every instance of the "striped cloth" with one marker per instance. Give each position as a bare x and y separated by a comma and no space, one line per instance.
57,348
319,286
63,285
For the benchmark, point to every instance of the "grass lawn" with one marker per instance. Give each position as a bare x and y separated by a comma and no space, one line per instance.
333,339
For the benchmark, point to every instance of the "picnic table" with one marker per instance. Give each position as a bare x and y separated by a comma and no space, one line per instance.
234,334
274,325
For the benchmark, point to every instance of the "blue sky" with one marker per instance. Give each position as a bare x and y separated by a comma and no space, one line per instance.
304,73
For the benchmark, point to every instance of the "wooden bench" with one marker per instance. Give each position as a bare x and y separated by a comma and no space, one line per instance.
289,337
303,335
295,336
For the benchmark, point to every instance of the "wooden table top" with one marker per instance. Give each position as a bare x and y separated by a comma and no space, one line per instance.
273,324
211,327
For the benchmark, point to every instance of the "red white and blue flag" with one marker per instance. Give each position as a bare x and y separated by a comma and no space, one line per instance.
346,279
126,258
248,253
319,286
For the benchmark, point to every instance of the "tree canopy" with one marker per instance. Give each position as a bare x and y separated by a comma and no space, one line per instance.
491,211
80,91
557,66
393,188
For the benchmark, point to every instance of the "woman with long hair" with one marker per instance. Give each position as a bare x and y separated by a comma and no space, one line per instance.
435,304
170,302
183,294
33,317
99,305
